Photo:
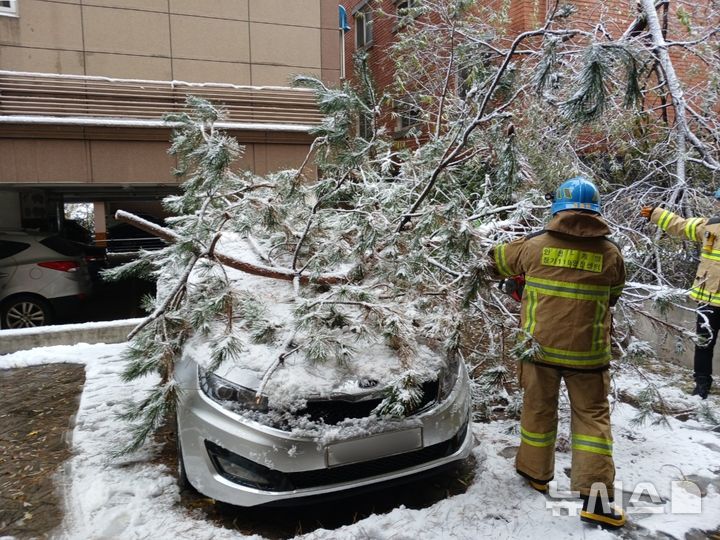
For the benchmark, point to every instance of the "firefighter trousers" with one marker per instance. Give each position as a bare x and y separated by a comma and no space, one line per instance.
590,425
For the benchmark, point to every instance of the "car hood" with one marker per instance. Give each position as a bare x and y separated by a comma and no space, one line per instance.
366,376
372,366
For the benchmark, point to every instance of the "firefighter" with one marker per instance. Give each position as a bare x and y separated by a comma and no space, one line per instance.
573,275
706,287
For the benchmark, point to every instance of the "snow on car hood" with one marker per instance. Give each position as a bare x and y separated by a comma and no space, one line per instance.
298,378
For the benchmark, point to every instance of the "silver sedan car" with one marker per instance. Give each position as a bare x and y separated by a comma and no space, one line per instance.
232,448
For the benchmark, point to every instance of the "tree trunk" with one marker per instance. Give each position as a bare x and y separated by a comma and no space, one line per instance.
682,130
285,274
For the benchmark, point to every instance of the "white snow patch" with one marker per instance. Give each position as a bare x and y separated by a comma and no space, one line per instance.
172,84
59,328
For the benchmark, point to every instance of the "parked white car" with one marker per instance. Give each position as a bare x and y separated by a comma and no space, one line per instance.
42,277
313,430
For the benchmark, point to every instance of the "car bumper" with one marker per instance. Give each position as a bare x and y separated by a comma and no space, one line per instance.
277,466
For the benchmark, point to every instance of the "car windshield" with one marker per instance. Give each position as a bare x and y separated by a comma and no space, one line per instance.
61,245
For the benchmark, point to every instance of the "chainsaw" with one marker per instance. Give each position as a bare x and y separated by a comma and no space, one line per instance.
513,286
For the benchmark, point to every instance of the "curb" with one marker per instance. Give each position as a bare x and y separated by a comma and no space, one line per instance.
66,334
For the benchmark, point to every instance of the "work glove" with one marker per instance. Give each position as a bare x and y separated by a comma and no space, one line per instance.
646,212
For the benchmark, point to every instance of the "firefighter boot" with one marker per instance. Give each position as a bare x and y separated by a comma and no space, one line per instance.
601,512
538,486
702,386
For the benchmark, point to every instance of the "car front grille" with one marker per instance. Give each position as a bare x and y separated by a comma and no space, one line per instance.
271,480
332,412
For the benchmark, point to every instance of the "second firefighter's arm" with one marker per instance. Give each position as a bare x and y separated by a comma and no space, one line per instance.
691,228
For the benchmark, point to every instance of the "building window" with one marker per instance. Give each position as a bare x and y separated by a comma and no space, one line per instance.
363,28
404,5
8,7
464,81
365,127
403,17
408,115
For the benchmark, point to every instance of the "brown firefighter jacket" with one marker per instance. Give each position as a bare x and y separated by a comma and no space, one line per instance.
573,274
706,287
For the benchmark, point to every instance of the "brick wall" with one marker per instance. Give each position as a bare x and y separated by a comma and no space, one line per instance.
617,15
383,36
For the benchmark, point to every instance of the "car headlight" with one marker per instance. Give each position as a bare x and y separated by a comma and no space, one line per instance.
230,395
448,377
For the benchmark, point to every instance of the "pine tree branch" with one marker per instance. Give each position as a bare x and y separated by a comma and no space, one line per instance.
446,83
316,142
314,211
285,274
160,310
279,361
480,118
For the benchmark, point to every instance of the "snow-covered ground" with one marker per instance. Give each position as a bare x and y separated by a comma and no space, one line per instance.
135,498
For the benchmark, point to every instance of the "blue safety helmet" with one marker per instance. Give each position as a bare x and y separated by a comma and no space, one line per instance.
578,193
717,194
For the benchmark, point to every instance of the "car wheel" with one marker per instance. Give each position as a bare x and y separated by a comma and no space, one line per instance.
183,482
25,312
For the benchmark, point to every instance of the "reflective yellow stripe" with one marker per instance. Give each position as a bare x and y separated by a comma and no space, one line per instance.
530,311
533,435
501,262
713,255
567,289
691,228
571,284
664,220
599,333
617,290
580,359
537,444
701,295
539,440
596,445
586,448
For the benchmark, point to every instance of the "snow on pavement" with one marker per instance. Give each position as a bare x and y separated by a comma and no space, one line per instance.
132,497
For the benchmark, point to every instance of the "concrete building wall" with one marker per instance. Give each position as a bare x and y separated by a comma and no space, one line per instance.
136,157
253,42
